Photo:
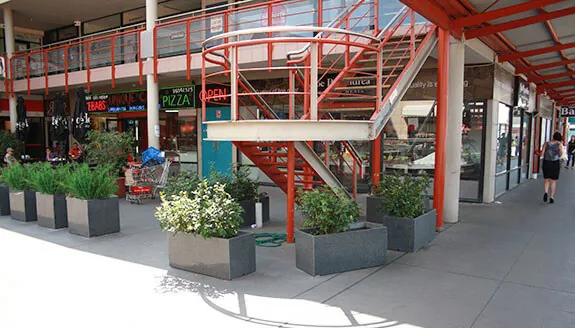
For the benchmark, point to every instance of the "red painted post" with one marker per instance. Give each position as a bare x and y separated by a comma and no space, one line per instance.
290,192
441,125
203,91
376,16
188,57
46,81
320,24
306,87
354,180
412,43
376,160
113,66
270,45
66,51
28,71
87,45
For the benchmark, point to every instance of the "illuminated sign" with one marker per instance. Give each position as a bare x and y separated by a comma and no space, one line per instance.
214,95
134,101
568,111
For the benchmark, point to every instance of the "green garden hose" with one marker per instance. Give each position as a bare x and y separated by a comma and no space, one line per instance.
270,239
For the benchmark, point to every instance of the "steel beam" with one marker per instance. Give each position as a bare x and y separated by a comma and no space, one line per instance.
535,52
430,11
496,28
290,191
500,13
551,76
543,87
543,66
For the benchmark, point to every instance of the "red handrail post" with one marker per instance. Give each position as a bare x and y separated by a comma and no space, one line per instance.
412,43
140,62
290,191
226,30
376,16
320,24
203,92
188,56
376,161
270,46
28,71
441,134
46,78
66,51
113,54
87,45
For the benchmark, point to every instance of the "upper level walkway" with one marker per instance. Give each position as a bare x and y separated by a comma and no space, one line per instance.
507,265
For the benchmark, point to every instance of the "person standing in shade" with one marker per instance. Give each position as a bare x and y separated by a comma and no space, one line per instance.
571,152
552,152
9,158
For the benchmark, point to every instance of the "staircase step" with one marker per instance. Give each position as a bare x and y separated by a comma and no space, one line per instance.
374,59
374,68
346,110
349,99
354,78
282,164
361,87
263,144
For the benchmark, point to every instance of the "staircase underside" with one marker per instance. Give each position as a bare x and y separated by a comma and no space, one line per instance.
290,130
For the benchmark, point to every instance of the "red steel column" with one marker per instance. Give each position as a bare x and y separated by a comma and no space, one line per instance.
376,160
290,191
441,124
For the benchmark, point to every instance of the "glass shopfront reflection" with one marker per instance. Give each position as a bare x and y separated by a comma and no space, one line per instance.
409,145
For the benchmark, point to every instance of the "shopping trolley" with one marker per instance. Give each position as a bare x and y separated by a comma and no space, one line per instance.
146,182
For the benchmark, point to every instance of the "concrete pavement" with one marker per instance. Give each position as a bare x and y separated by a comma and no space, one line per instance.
504,265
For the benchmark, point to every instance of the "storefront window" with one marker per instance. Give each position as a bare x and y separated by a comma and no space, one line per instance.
503,148
525,146
102,24
514,160
409,145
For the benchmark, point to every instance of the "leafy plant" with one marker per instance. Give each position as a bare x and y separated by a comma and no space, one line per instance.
239,184
327,211
109,148
99,183
403,195
16,176
9,140
208,211
183,182
48,180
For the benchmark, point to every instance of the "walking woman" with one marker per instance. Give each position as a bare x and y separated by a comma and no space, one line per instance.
571,152
552,152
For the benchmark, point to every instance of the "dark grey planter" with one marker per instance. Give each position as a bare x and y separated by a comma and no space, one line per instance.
23,205
409,235
4,201
216,257
376,212
249,214
363,247
52,211
94,217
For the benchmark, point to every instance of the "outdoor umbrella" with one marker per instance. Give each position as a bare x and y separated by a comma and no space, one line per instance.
81,120
21,121
59,121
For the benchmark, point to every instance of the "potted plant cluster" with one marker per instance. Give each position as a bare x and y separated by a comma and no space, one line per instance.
22,194
244,190
93,209
330,240
51,194
4,197
8,140
112,149
203,232
402,208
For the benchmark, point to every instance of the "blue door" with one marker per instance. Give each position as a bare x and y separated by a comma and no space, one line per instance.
216,155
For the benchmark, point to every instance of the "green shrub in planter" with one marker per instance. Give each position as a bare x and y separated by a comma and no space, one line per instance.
109,148
183,182
238,184
327,211
9,140
403,195
209,211
17,177
99,183
48,180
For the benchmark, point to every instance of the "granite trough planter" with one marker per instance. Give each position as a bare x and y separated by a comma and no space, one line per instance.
94,217
52,211
4,201
363,246
23,205
249,214
409,235
376,212
217,257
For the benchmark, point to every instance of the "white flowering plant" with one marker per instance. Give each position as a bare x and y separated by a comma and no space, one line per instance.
208,211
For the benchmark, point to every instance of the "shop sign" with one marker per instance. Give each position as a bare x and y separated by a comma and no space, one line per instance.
522,94
181,97
545,107
134,101
214,95
568,111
